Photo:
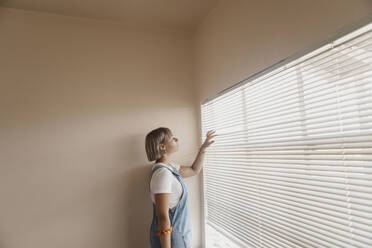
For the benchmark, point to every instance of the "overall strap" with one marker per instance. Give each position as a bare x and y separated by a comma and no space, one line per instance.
158,167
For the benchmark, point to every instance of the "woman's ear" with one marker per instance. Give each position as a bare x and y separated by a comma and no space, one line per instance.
161,147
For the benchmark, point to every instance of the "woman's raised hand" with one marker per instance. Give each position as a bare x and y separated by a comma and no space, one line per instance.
210,134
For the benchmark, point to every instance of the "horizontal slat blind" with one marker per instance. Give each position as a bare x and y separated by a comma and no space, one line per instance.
292,163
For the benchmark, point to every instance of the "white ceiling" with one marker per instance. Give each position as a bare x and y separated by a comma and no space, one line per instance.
183,15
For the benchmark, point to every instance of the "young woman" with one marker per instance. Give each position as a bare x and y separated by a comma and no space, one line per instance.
170,227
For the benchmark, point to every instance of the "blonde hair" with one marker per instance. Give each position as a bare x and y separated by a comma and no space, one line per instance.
153,139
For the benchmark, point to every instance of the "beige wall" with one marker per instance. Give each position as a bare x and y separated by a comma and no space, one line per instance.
241,37
77,98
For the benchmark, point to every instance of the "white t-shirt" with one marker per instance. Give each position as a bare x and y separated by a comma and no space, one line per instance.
163,181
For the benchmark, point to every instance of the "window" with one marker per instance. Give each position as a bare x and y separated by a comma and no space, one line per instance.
292,164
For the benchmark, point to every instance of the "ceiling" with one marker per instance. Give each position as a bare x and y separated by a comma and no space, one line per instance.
182,15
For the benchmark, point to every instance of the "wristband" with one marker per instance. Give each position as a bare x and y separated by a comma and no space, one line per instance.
167,231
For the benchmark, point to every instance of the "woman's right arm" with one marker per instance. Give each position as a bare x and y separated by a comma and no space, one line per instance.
162,213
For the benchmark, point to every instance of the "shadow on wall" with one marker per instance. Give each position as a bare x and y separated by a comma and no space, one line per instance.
137,210
137,215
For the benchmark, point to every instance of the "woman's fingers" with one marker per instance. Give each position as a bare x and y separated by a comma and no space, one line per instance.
210,135
210,132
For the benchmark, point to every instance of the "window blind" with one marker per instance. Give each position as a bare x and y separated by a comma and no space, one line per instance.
292,163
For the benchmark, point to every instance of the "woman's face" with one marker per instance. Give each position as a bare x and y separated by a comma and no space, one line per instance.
171,144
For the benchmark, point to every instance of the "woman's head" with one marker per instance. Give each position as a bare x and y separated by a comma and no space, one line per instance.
160,142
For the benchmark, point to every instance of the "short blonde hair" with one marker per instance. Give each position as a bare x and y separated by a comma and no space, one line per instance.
153,139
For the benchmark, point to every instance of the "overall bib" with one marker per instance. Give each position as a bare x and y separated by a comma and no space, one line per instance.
181,236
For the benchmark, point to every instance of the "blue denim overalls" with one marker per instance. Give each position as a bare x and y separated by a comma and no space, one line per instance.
181,236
